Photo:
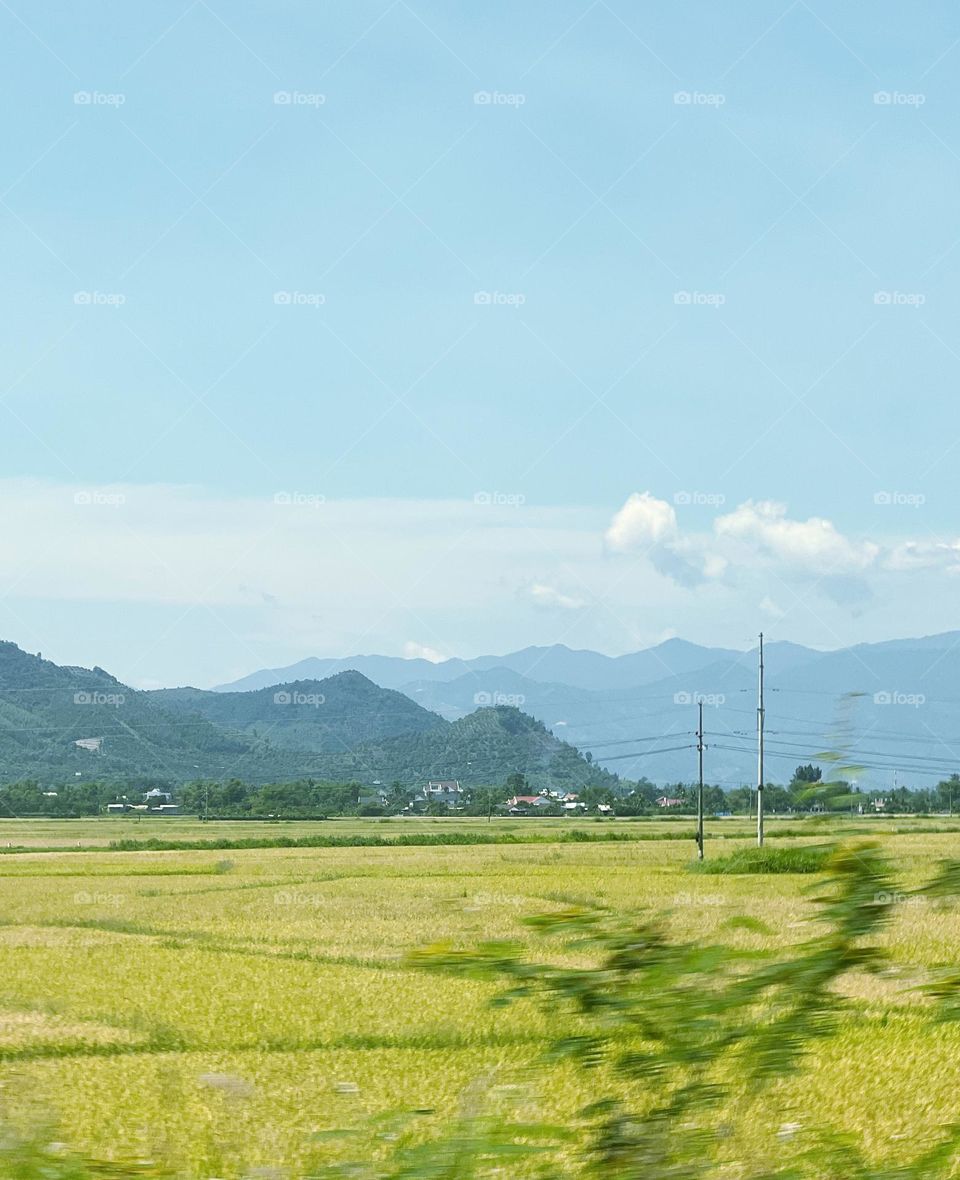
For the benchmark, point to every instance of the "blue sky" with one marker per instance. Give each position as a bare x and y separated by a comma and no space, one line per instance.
580,322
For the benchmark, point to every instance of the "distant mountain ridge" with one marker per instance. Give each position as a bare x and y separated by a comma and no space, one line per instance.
818,703
879,710
579,668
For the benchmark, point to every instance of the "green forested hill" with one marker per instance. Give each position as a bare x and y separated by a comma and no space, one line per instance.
341,729
482,748
45,708
331,715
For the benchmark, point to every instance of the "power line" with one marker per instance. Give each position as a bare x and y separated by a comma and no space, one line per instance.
649,753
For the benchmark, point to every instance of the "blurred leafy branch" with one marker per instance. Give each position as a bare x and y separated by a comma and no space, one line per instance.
677,1034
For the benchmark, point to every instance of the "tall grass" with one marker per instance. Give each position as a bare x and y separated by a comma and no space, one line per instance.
800,859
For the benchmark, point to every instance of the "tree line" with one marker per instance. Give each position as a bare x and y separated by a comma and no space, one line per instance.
808,791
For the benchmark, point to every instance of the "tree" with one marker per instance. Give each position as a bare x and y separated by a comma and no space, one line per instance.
741,799
714,799
948,793
399,797
807,774
483,800
23,798
832,796
777,798
516,783
593,796
282,798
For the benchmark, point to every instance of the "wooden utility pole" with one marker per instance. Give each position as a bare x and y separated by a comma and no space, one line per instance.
760,749
700,782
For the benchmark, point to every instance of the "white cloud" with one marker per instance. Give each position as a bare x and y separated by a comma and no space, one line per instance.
759,546
919,555
808,543
771,608
650,525
642,521
419,651
714,565
549,596
176,583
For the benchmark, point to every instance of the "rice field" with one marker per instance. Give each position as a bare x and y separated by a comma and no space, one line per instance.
222,1010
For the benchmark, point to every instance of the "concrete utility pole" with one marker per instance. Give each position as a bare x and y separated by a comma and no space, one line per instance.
700,782
760,749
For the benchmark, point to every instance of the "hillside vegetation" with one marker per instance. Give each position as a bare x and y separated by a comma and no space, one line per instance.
319,715
343,729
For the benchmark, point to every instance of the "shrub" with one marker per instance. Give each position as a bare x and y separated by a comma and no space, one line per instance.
810,859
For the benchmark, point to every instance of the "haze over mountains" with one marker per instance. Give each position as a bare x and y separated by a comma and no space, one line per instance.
329,715
886,707
882,709
580,669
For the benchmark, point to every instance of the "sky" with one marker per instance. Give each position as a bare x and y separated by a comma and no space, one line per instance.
444,329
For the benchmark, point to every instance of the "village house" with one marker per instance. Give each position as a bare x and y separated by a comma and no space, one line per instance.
446,791
525,802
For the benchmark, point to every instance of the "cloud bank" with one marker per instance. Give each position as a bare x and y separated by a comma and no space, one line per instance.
167,584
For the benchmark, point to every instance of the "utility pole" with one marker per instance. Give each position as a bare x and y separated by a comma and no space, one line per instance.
700,782
760,749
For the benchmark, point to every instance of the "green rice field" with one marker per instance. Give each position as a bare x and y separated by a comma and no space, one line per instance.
222,1010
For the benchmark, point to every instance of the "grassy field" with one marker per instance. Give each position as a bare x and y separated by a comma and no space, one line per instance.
219,1010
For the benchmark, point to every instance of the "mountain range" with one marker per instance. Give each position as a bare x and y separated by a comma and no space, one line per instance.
884,713
888,711
60,724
